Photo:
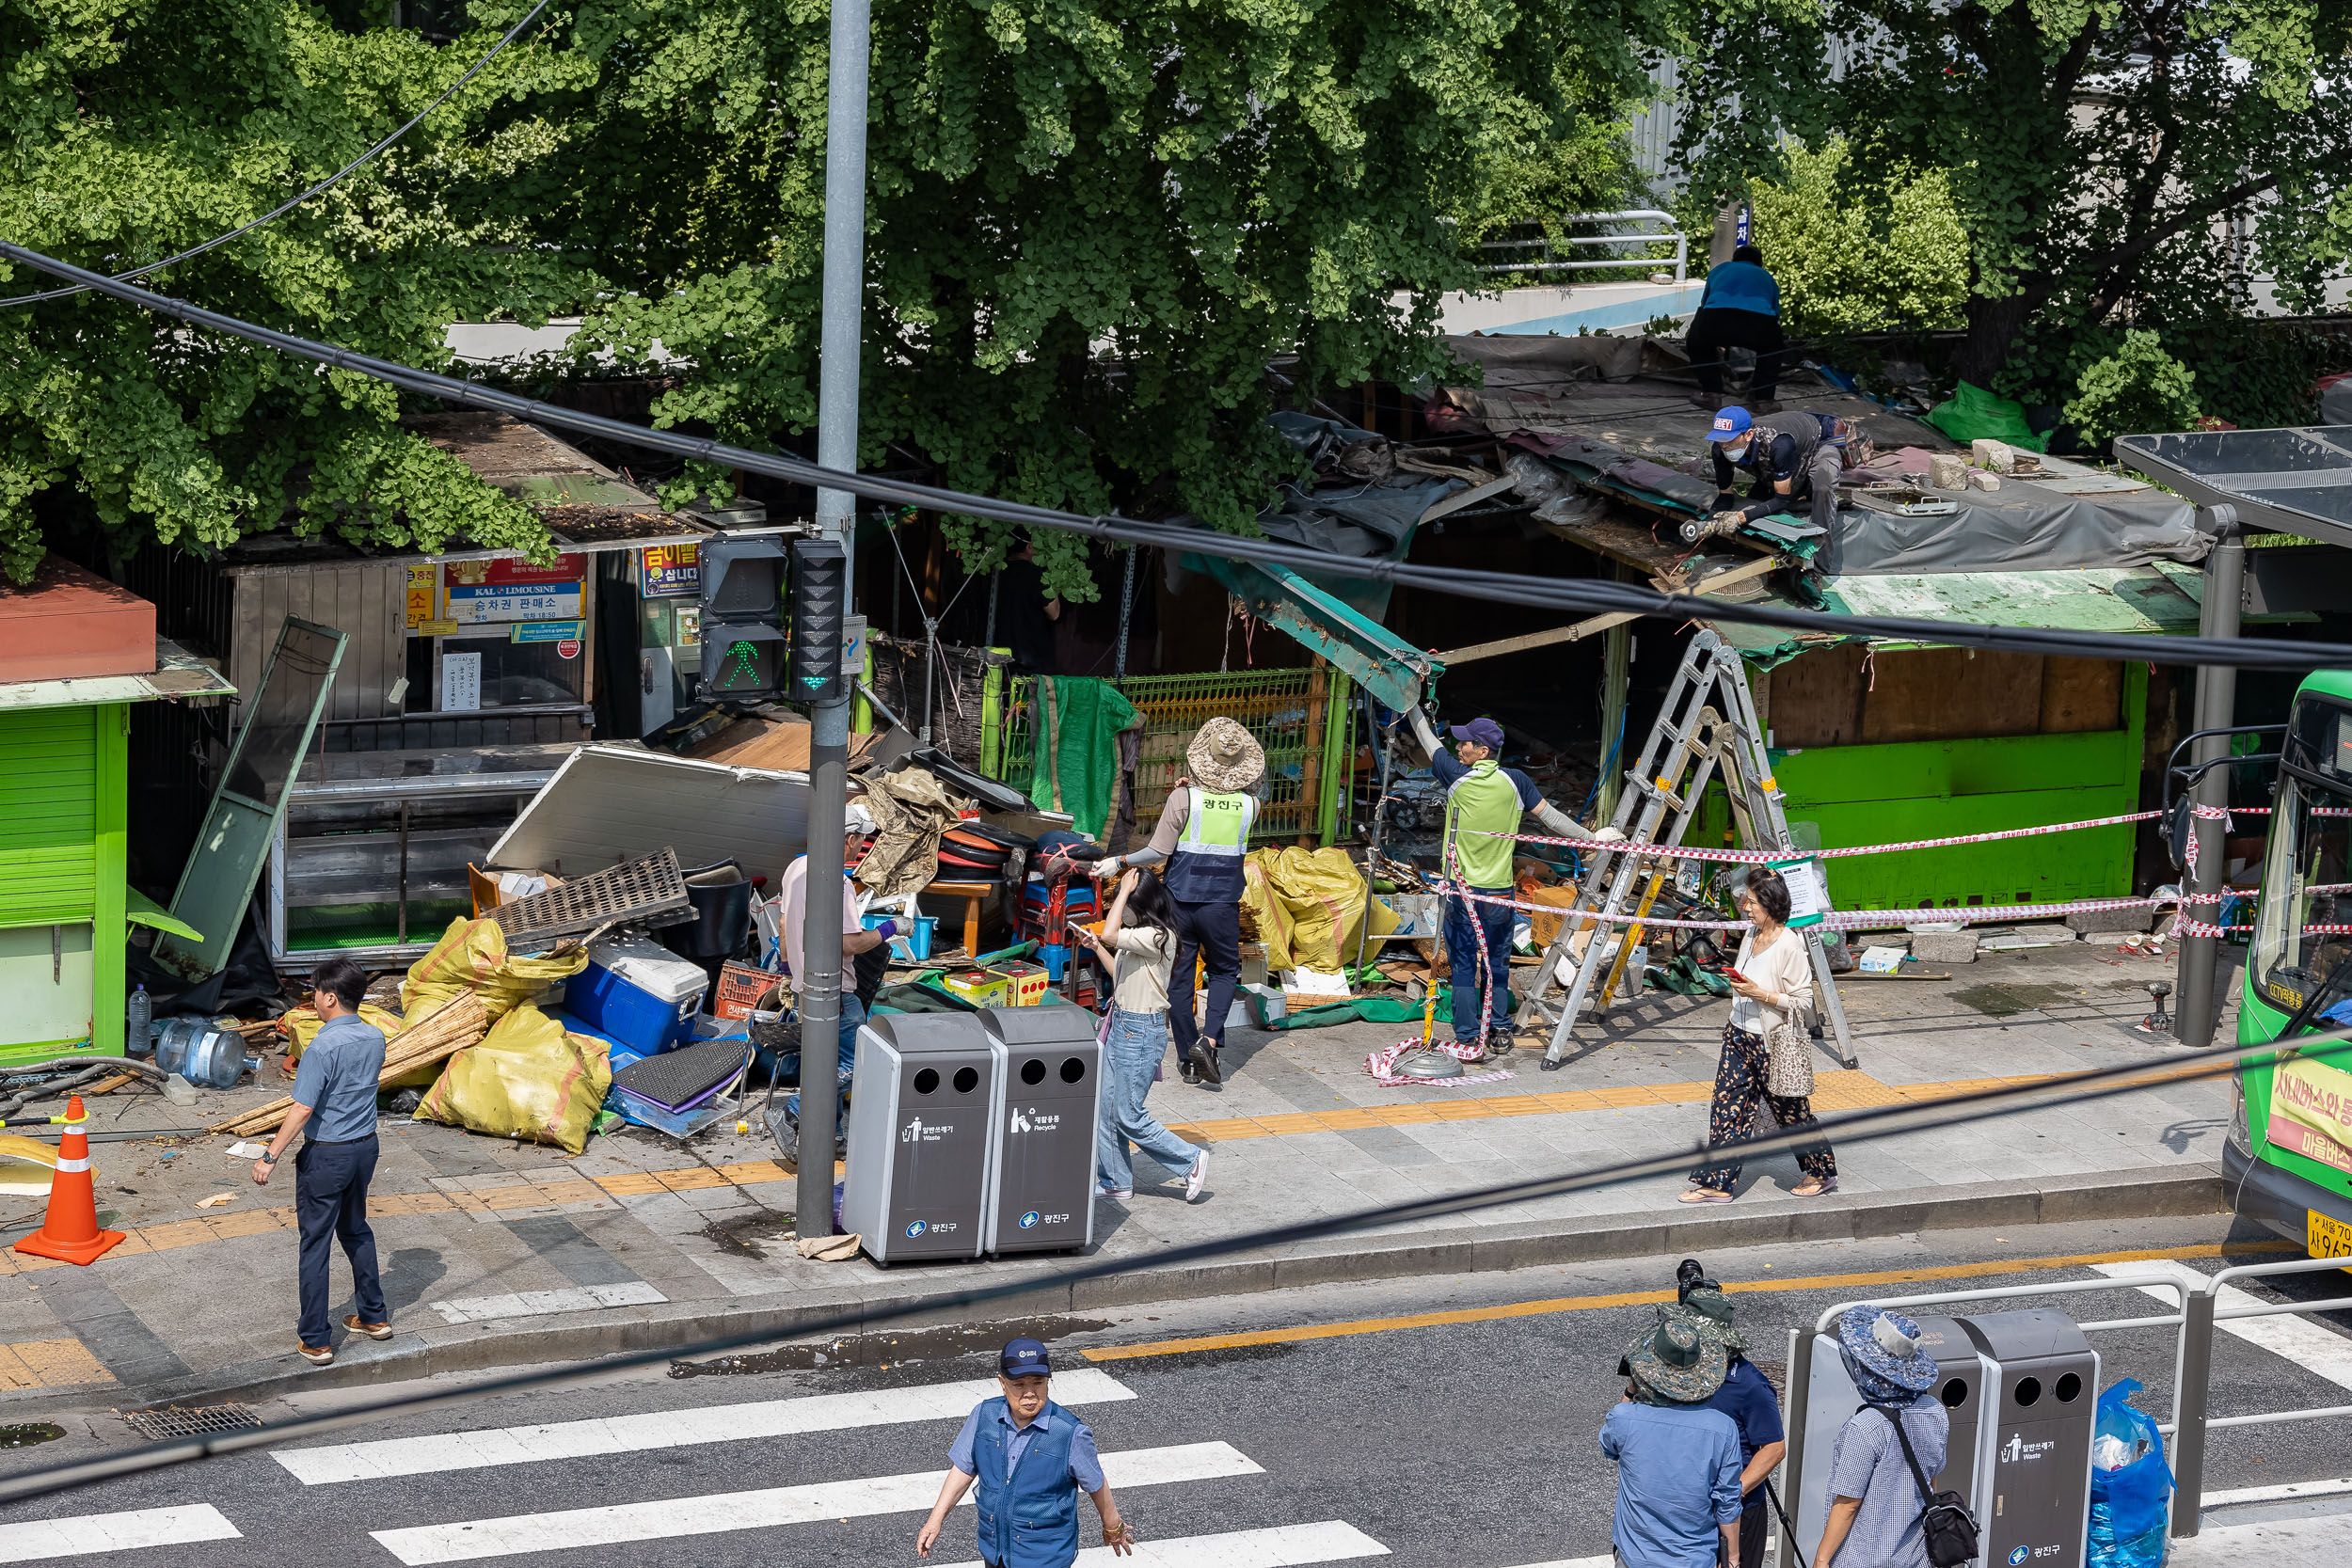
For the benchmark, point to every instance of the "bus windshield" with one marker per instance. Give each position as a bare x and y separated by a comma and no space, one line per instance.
2305,876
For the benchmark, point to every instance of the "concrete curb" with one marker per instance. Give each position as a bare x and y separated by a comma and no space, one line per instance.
2150,1192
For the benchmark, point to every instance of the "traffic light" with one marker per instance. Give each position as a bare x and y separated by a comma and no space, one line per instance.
820,573
743,621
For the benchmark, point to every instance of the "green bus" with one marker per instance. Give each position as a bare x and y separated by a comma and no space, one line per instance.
2289,1153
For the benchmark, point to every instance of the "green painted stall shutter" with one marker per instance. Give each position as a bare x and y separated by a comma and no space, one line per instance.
49,763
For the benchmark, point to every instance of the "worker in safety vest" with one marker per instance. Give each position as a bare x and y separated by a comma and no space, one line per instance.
1485,801
1202,834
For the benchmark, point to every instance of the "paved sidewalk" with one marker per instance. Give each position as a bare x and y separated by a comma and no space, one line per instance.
496,1252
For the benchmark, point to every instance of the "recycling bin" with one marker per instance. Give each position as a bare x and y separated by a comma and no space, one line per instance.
2037,1443
1962,1375
918,1135
1048,1077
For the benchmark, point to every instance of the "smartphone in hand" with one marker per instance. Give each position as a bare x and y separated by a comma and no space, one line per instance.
1733,973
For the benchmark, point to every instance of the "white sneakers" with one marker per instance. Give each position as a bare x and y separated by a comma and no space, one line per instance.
1197,1180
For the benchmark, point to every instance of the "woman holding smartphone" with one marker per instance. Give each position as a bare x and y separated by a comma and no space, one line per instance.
1138,947
1772,978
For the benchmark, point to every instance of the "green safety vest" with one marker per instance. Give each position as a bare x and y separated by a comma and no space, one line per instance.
1481,804
1206,866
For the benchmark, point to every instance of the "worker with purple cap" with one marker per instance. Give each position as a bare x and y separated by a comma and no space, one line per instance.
1789,457
1484,803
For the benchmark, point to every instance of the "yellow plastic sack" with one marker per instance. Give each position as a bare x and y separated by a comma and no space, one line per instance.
302,1023
528,1079
472,956
1308,905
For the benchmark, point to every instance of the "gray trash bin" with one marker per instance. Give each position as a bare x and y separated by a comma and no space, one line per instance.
919,1136
2037,1452
1040,1188
1963,1374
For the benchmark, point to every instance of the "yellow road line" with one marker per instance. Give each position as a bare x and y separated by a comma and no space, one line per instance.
1639,1298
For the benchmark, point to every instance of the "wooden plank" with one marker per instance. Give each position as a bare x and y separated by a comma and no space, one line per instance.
1816,699
1745,572
2080,694
1952,694
1461,498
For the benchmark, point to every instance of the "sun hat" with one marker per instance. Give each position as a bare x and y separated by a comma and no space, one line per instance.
1712,1309
1883,1347
1224,758
1677,1361
1731,423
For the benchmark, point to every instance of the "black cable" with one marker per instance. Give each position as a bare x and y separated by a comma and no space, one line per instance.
1575,595
283,208
1882,1121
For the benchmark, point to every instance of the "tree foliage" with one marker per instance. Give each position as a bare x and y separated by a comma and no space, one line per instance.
2095,149
2136,388
1859,254
139,127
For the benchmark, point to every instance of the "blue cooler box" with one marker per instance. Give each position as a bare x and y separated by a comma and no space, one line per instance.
637,993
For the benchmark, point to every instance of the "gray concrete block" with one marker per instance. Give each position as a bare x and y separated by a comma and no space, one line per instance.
1945,947
2110,920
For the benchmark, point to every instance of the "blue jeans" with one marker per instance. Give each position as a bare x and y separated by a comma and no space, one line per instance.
852,1019
1467,926
331,1205
1133,1050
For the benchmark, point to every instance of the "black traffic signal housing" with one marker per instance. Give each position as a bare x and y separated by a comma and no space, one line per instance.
742,596
820,583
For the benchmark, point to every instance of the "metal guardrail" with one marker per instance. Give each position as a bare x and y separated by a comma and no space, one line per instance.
1662,228
2200,1312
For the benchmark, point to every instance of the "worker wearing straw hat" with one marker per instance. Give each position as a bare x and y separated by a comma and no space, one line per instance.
1202,834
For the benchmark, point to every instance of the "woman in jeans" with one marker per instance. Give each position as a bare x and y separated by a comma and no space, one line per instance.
1773,981
1138,946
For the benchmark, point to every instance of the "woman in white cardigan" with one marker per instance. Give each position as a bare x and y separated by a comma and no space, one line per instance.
1775,979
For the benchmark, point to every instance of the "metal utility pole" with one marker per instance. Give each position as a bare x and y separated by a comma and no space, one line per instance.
2196,1012
843,345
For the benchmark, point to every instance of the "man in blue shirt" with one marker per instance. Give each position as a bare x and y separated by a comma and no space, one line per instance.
1031,1459
334,1096
1678,1461
1739,307
1748,1398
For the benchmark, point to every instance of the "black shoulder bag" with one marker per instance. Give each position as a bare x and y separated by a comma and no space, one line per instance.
1948,1529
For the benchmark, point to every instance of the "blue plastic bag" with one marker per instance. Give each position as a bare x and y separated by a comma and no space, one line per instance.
2127,1501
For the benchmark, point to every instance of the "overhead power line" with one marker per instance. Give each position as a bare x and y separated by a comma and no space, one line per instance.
283,208
1572,596
1850,1127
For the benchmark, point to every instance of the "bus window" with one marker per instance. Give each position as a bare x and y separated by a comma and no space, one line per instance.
2305,876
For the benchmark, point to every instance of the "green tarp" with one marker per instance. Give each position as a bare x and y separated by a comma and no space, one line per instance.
1078,719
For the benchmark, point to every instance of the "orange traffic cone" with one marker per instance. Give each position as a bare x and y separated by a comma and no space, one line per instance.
71,1232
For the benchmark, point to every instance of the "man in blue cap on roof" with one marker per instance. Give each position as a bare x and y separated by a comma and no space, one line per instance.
1031,1459
1789,457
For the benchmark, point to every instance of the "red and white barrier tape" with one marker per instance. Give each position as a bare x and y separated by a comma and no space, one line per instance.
1381,1064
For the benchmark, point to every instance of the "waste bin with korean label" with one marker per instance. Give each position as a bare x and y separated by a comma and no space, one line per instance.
1963,1374
919,1136
2043,1405
1040,1190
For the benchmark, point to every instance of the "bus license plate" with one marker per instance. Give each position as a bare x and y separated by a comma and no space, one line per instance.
2325,1236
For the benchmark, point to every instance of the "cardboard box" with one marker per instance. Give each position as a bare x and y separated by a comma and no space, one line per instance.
1026,984
982,988
740,988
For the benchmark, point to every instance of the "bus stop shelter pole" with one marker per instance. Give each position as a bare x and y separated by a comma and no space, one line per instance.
2217,704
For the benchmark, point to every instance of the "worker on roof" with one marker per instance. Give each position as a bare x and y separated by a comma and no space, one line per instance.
1790,458
1484,803
1739,307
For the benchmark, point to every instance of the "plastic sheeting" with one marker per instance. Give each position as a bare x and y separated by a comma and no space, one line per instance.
527,1079
2020,526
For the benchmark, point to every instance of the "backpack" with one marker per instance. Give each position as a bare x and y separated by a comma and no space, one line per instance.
1948,1526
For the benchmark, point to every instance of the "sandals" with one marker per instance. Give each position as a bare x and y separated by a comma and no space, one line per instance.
1815,1187
1704,1195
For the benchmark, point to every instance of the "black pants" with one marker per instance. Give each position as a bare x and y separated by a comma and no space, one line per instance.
331,1205
1212,931
1714,331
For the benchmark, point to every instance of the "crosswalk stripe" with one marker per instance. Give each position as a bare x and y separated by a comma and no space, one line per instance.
38,1539
726,1512
1283,1547
670,1429
2321,1352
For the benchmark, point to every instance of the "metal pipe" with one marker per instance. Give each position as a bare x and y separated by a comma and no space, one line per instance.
2194,1009
1800,1375
842,345
2273,1419
2005,1292
2192,1392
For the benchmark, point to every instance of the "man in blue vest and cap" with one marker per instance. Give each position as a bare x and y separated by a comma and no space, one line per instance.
1484,801
1031,1459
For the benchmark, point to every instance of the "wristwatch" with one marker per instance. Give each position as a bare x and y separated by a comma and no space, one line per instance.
267,1158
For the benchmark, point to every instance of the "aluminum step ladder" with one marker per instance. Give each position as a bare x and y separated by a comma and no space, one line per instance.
1707,724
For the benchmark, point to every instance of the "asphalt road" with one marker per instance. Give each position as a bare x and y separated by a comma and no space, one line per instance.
1459,1444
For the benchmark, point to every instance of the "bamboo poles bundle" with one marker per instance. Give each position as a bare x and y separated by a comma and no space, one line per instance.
442,1032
